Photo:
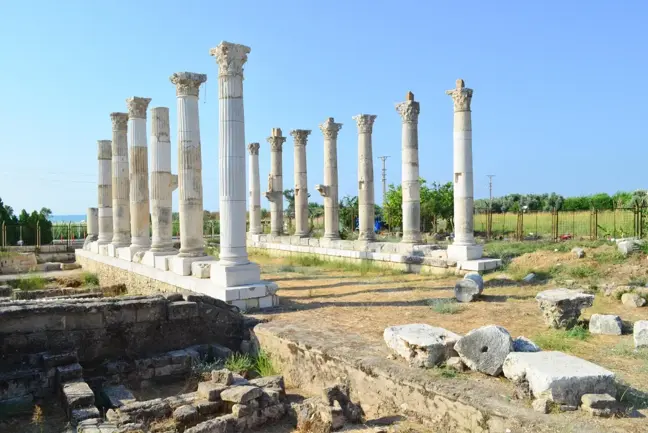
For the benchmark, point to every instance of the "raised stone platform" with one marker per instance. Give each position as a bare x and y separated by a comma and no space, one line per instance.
142,278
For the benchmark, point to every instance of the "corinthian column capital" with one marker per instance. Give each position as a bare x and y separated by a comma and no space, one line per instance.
276,140
409,110
187,83
230,58
253,148
461,95
119,121
137,107
300,136
330,129
365,123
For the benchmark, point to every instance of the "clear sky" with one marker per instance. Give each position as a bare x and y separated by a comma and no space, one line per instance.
559,87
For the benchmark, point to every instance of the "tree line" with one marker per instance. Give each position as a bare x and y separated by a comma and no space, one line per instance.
29,223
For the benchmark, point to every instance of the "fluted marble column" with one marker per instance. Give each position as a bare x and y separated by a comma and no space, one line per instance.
255,190
366,201
92,227
139,179
163,183
120,183
104,201
329,190
275,182
300,137
463,246
409,112
189,165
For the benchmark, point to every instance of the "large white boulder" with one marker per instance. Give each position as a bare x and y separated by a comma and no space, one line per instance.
606,324
467,290
559,377
561,308
640,333
420,344
485,349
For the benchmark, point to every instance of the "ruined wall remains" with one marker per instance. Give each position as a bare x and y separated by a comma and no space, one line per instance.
14,263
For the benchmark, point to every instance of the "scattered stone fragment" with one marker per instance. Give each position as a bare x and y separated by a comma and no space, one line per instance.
314,415
522,391
606,324
485,349
579,253
339,393
557,376
640,333
561,308
240,393
70,372
186,415
270,382
466,290
542,405
530,278
626,247
223,376
476,278
523,344
210,390
420,344
149,409
83,413
456,363
222,424
603,405
77,395
632,300
117,396
206,407
568,408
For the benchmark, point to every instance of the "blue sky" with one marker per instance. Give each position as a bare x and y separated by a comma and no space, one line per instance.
560,93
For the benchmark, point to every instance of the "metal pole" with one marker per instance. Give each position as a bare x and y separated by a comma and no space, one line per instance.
384,176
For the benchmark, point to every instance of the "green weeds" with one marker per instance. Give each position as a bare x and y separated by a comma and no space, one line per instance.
445,306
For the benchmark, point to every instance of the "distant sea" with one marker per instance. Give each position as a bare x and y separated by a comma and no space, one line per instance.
67,218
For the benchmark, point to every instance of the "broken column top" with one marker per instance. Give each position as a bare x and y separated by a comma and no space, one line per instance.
187,83
276,140
137,107
409,96
253,148
329,128
461,96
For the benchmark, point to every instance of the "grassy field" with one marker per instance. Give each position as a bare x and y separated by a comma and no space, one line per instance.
617,223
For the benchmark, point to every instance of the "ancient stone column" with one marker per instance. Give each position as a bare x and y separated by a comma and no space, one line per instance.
189,169
139,179
300,137
92,226
464,246
329,190
409,111
120,184
105,192
255,190
366,202
275,182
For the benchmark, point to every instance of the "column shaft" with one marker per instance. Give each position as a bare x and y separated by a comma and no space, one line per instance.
139,180
255,190
120,182
275,182
301,182
329,190
366,201
104,201
92,224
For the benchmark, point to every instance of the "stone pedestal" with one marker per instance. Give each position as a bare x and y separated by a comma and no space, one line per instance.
366,200
463,246
300,137
104,201
329,190
92,227
163,183
411,187
275,182
120,184
189,168
255,190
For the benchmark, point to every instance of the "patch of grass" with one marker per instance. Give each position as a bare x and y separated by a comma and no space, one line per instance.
363,267
612,257
31,283
287,268
7,254
578,332
637,281
581,271
90,279
559,340
445,306
263,364
202,369
240,363
213,251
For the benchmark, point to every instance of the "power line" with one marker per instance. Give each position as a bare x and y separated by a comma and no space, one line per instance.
384,176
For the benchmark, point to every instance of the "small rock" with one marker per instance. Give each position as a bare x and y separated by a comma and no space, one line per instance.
579,253
223,376
186,415
485,349
420,344
270,382
240,393
568,408
632,300
466,290
626,247
476,278
542,405
561,308
211,391
640,333
530,278
456,363
523,344
606,324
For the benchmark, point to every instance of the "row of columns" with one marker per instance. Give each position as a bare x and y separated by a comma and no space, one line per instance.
409,111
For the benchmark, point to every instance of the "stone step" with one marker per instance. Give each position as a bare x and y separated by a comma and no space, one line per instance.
56,360
77,395
69,373
83,413
116,396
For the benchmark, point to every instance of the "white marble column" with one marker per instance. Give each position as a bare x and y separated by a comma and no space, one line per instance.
92,227
189,172
275,182
329,190
139,180
163,183
234,268
120,184
255,190
300,137
464,246
105,192
366,201
409,111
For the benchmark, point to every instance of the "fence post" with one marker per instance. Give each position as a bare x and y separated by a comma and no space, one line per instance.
69,228
489,224
37,234
3,235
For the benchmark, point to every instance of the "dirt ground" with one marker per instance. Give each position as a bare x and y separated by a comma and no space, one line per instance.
367,301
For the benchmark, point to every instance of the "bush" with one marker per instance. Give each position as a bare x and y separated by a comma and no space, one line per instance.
31,283
445,306
240,363
90,279
263,364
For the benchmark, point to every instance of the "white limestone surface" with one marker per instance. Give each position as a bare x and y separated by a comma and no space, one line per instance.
420,344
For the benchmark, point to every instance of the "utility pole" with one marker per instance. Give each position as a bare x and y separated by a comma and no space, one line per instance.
384,176
490,190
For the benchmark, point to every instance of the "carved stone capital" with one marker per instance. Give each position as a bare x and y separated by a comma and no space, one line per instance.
230,58
187,83
119,121
365,123
276,140
137,107
461,95
300,136
330,129
253,148
322,189
409,111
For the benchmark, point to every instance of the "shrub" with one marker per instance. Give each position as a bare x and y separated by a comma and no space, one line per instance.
263,364
31,283
240,363
445,306
90,279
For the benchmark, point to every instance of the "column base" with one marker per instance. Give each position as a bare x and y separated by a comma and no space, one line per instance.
369,237
112,249
131,254
460,253
150,258
412,239
94,247
182,265
235,275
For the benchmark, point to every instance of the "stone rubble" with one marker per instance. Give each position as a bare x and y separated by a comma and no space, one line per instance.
640,334
420,344
466,290
561,308
603,405
632,300
485,349
523,344
579,253
327,413
606,324
542,405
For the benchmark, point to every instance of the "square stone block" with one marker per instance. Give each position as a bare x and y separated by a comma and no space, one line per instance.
268,301
103,250
151,256
94,247
479,265
182,265
460,253
128,253
112,251
201,269
163,262
237,275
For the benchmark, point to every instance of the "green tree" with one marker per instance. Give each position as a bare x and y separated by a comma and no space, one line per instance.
348,212
393,206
